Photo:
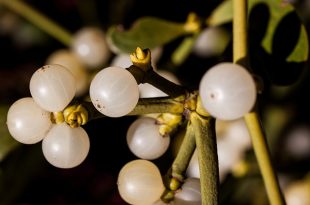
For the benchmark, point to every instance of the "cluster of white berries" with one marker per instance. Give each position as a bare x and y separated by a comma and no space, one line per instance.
227,91
52,88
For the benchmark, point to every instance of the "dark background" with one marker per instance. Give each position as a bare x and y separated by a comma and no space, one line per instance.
27,178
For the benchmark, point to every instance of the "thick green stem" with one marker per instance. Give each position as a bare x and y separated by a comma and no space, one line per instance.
159,105
144,106
240,51
263,157
39,20
207,157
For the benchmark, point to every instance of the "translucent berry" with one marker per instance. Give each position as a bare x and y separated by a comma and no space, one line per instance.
139,182
52,87
114,92
65,147
27,122
227,91
144,140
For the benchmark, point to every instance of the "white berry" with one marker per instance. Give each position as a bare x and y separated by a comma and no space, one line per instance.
139,182
121,60
212,41
114,92
190,193
89,44
27,122
227,91
65,147
52,87
144,140
67,59
297,193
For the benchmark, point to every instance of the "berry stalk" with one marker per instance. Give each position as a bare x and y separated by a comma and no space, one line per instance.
185,153
175,175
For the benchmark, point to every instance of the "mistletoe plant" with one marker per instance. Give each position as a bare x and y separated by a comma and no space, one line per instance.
227,91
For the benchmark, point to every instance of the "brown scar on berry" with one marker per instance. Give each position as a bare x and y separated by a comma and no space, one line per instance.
99,106
45,67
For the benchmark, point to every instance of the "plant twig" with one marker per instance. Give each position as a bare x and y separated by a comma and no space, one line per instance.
163,84
39,20
185,153
264,160
207,157
175,175
240,51
159,105
143,72
153,78
144,106
240,45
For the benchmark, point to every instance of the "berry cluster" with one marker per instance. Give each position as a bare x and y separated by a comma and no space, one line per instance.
227,91
208,126
52,88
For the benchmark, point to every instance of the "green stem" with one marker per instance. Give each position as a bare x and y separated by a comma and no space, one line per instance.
144,106
175,176
158,105
264,160
163,84
185,153
207,157
240,45
39,20
153,78
240,51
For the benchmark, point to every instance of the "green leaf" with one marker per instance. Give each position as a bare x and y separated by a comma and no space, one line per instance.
277,12
7,143
301,50
147,32
222,14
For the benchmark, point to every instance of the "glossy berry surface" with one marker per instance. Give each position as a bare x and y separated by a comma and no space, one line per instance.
227,91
